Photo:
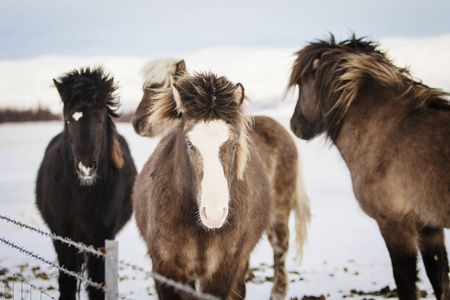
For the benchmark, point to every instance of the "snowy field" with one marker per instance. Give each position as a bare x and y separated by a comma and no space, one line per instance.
345,254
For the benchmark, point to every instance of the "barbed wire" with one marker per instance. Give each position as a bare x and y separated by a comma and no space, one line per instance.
168,281
52,264
78,245
26,282
91,249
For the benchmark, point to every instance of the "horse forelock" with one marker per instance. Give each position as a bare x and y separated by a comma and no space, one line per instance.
159,72
92,86
207,97
163,106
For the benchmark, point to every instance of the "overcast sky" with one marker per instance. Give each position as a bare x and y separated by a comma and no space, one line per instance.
30,28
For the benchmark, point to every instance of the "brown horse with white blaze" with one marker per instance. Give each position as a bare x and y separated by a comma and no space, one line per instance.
213,186
393,133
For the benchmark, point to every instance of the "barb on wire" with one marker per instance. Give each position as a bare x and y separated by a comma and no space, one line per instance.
53,236
168,281
28,283
50,263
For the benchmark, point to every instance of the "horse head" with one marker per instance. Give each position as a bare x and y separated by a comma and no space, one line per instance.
88,105
158,73
329,76
308,118
214,138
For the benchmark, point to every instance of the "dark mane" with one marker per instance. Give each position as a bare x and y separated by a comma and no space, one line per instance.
208,97
304,64
338,70
90,85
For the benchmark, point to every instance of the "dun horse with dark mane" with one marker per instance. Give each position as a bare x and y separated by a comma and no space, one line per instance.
84,184
213,186
393,133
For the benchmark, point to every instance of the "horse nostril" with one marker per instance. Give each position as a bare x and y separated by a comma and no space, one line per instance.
293,127
86,169
203,213
214,219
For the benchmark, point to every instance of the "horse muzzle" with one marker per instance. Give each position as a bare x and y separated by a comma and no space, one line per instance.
296,128
87,172
303,129
213,217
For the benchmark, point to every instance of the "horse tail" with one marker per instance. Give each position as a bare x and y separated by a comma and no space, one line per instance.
302,213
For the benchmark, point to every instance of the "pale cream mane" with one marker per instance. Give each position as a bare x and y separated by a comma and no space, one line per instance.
159,71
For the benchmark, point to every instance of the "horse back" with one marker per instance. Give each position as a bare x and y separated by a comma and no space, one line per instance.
277,149
421,162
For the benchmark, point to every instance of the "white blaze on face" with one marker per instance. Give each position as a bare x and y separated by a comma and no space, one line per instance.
207,139
77,115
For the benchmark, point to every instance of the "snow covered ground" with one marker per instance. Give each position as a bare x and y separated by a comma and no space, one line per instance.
345,251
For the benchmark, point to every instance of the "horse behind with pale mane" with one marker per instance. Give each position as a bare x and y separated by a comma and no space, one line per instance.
158,74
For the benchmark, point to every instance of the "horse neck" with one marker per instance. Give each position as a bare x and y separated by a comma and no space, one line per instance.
372,114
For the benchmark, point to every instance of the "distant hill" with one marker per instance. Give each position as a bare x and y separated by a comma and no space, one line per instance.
27,84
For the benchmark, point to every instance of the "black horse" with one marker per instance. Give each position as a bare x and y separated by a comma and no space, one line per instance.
84,183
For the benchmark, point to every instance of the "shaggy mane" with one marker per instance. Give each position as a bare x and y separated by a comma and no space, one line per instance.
159,72
89,85
340,69
206,97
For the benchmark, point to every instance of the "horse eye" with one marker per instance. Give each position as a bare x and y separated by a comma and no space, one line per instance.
234,147
190,145
67,122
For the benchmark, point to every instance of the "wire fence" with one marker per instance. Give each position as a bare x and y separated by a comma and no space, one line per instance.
11,289
8,292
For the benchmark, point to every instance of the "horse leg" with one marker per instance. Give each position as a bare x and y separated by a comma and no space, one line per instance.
96,271
401,240
279,239
434,255
168,292
70,260
221,283
239,290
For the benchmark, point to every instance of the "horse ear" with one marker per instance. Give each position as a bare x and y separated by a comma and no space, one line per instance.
180,68
238,93
177,98
59,87
315,63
